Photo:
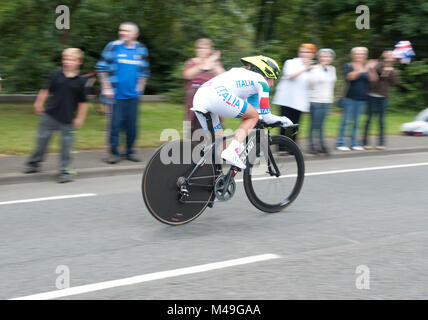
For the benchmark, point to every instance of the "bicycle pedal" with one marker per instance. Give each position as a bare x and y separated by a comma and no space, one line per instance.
235,170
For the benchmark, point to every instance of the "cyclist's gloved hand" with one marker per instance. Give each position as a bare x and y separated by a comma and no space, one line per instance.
271,118
286,122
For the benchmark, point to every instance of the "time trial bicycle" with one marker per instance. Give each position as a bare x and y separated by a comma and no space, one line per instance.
183,177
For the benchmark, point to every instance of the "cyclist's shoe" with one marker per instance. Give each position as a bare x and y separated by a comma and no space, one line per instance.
231,154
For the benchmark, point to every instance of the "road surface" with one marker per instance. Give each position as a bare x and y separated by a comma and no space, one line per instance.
358,230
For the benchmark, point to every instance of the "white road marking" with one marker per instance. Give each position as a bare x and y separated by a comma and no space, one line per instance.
147,277
49,198
344,171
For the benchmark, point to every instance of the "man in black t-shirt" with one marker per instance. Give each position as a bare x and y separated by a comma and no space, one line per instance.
65,111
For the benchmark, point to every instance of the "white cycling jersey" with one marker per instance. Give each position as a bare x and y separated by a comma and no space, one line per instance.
228,95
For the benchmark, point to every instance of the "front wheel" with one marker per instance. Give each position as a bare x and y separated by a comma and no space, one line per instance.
274,181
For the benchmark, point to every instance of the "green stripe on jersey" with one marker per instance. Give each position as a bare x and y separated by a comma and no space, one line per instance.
264,86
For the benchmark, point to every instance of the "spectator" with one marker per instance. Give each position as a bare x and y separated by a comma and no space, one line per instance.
322,79
357,74
68,96
205,66
292,92
378,95
126,63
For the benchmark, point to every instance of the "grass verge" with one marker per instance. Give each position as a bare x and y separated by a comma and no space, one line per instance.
18,126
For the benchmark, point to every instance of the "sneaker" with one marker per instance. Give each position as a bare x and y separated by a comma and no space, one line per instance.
133,158
232,156
343,148
313,151
31,169
65,176
113,159
380,148
324,150
367,147
357,148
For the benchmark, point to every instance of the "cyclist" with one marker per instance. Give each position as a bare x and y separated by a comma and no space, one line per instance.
239,93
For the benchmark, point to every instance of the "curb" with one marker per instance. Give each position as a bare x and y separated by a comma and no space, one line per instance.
17,178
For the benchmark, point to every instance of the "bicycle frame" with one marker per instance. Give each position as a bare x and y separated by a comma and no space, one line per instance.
177,192
210,149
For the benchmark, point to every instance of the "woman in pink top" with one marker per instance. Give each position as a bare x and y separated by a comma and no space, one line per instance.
205,66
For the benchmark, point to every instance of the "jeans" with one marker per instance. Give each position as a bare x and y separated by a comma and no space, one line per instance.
351,114
47,126
319,112
376,105
124,116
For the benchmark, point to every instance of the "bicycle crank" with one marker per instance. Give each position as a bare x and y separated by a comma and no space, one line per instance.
224,188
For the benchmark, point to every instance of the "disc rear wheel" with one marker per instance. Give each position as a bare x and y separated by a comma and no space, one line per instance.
167,198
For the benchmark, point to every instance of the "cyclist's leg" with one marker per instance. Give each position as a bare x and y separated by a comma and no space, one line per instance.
218,130
205,102
220,102
240,109
219,145
250,118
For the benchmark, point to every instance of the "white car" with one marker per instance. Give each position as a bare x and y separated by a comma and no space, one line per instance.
419,127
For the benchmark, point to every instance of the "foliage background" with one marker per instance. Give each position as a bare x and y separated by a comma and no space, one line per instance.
30,45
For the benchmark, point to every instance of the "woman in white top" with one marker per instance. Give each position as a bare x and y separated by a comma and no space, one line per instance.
321,94
292,91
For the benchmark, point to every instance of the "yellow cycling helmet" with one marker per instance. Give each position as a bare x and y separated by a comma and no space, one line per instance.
263,65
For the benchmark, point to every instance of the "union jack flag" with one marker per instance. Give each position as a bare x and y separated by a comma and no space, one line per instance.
404,51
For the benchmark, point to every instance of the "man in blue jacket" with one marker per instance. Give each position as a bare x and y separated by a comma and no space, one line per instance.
123,70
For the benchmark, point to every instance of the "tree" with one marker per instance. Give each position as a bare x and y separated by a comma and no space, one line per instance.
30,45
